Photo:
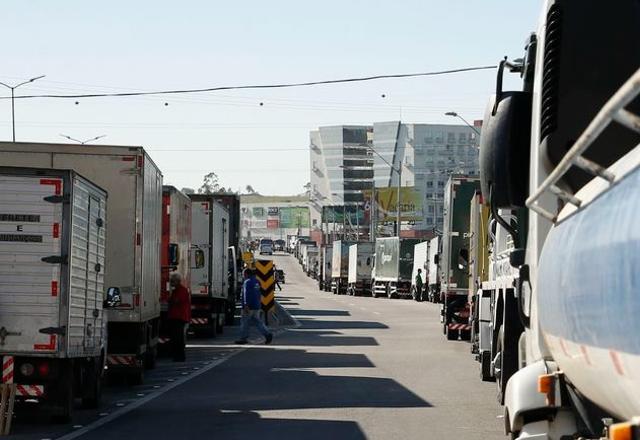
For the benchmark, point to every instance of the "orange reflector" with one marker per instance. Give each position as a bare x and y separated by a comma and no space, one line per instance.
545,383
621,431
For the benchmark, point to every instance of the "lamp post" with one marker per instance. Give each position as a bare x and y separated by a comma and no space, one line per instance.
83,142
13,108
456,115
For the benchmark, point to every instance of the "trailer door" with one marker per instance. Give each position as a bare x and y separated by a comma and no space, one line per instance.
31,257
201,243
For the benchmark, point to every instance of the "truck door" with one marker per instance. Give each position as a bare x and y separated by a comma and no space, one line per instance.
201,246
31,257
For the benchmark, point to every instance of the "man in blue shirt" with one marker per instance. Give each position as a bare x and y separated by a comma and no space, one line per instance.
251,304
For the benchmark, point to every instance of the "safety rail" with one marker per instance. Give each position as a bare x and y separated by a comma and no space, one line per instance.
613,110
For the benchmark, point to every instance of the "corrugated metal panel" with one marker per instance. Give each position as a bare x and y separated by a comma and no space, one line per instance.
151,238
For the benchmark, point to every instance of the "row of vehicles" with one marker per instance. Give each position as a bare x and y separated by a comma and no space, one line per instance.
88,239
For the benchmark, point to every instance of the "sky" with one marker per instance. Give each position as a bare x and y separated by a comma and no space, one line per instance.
257,138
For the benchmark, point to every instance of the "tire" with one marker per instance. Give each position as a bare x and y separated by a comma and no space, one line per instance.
136,377
450,334
94,388
389,294
150,357
63,406
485,367
507,343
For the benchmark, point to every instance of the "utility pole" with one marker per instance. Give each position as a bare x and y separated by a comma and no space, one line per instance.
13,108
398,219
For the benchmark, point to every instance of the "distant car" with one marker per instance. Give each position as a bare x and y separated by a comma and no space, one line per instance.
266,248
279,245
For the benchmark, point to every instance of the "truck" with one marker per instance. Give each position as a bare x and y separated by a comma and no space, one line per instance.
454,259
134,234
420,262
340,266
433,270
360,267
231,202
209,275
393,266
478,273
52,270
561,156
175,251
311,261
326,258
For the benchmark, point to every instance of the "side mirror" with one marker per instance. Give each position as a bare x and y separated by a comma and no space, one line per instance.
174,255
113,298
436,259
198,259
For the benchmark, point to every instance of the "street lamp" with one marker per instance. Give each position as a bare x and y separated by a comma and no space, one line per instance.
83,142
399,171
455,115
13,112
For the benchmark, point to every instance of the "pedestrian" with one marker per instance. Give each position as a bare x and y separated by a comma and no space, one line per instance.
419,285
251,308
276,277
179,315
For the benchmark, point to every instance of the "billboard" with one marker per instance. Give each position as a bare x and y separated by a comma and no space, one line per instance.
294,217
258,212
349,214
386,204
272,223
272,211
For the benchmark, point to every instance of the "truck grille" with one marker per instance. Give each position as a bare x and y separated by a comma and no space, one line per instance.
550,75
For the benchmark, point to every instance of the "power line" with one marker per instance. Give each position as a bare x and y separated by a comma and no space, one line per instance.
259,86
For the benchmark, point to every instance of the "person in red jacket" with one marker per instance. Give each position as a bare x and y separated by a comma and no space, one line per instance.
179,316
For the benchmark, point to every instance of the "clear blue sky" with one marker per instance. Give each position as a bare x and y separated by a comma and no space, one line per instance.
144,45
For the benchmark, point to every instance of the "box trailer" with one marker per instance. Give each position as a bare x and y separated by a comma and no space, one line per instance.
326,258
393,266
175,250
420,268
360,267
210,241
454,259
234,258
340,266
134,234
52,275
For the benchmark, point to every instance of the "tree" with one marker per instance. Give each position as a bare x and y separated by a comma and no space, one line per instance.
250,190
210,184
307,189
188,190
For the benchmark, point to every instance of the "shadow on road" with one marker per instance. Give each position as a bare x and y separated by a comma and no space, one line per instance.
304,312
323,324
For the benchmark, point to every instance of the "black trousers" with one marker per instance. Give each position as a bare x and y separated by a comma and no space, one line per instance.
178,339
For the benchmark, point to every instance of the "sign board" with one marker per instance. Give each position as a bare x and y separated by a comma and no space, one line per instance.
294,217
272,211
411,207
264,273
273,223
258,212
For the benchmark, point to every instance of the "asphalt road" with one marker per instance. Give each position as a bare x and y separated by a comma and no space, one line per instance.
355,368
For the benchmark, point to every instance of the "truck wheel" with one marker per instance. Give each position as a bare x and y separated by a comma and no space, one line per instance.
136,378
150,357
389,294
94,388
485,367
63,405
451,335
219,326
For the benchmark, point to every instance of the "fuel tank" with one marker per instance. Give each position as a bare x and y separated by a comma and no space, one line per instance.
588,297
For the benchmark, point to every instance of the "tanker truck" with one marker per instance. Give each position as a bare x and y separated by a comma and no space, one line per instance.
560,164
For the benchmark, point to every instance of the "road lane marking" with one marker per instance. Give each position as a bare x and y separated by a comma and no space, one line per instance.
377,313
134,405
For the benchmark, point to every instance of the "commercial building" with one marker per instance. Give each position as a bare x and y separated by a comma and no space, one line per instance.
346,161
341,163
273,216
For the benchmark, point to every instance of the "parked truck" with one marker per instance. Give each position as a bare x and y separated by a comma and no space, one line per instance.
566,351
175,251
454,260
420,269
234,258
393,266
433,269
340,266
52,270
360,267
210,242
326,258
134,234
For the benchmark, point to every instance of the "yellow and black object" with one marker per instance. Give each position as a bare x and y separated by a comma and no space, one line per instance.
265,275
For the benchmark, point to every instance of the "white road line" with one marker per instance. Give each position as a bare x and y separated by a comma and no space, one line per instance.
126,409
377,313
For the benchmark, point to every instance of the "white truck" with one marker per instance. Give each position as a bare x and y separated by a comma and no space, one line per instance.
134,234
566,147
421,263
360,268
326,258
52,270
210,242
